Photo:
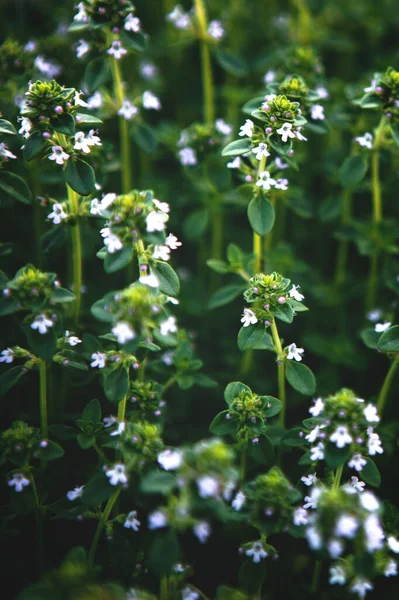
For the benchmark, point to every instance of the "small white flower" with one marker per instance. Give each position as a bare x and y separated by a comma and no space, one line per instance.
286,132
116,50
82,48
357,462
280,164
314,538
7,355
157,520
161,253
317,112
374,533
317,408
47,67
163,206
42,324
281,184
172,242
370,413
366,141
188,157
148,70
18,482
299,135
81,15
381,327
78,101
269,77
117,475
179,18
361,586
98,208
150,101
295,294
128,110
168,326
132,23
369,501
155,221
335,548
314,434
312,500
391,569
111,240
58,214
30,46
150,280
337,575
238,501
208,487
188,593
346,526
261,151
92,139
120,429
265,181
295,353
300,516
341,437
58,155
322,92
223,127
131,521
357,485
317,452
235,163
310,479
374,444
170,459
247,129
109,421
202,530
123,332
81,143
216,30
75,493
248,318
95,101
26,126
393,544
99,360
72,340
257,552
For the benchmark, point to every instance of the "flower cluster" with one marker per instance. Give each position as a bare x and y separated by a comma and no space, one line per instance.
383,93
140,443
14,60
199,141
185,21
145,401
114,14
295,88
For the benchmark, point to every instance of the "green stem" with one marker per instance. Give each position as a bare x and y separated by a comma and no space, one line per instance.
100,452
243,464
39,527
122,409
164,588
342,257
103,519
280,369
372,283
43,399
375,178
257,250
316,576
206,65
337,477
168,384
76,255
386,386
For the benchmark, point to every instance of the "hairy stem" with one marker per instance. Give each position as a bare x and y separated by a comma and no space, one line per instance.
43,399
103,519
280,369
386,386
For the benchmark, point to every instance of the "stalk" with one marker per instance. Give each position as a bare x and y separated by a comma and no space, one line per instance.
43,399
386,386
337,477
206,65
76,255
243,463
280,369
342,257
164,588
103,519
304,25
39,527
122,409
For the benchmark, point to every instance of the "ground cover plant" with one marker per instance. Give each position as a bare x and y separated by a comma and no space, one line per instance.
199,314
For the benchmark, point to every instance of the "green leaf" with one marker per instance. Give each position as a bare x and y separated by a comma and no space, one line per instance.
395,133
8,306
33,145
97,72
353,170
370,100
145,137
98,309
44,345
10,377
85,119
234,389
86,441
226,593
64,123
294,438
61,295
158,482
237,148
134,40
221,425
231,62
370,337
92,411
249,336
204,381
300,377
97,490
371,474
225,295
262,451
219,266
284,312
116,384
118,260
7,127
261,215
164,553
335,457
279,146
389,341
168,280
185,382
15,186
196,223
252,575
53,239
80,177
273,406
51,452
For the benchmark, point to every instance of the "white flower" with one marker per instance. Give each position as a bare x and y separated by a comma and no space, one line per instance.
109,421
18,482
172,242
317,452
155,221
75,493
58,214
208,487
30,46
26,126
223,127
269,77
58,155
265,181
317,112
92,139
216,30
341,437
189,594
150,101
299,135
374,444
97,208
300,516
120,429
257,552
49,68
95,101
314,434
202,530
170,459
111,240
322,92
248,318
295,294
374,533
81,143
127,110
116,50
235,163
309,480
188,156
312,500
150,280
357,462
357,485
161,253
370,413
247,129
281,184
280,164
81,15
366,141
157,519
393,544
391,569
337,575
7,355
179,18
123,332
42,324
72,340
82,48
369,501
78,101
314,538
117,475
148,70
131,521
286,132
374,315
99,359
361,586
335,548
132,23
295,353
380,327
317,408
168,326
163,206
238,501
346,526
260,151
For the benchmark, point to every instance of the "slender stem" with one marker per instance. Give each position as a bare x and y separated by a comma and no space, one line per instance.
164,588
122,409
76,255
99,452
103,519
386,386
316,576
280,369
337,477
43,399
243,464
206,65
168,384
372,283
257,250
304,26
375,178
342,257
39,526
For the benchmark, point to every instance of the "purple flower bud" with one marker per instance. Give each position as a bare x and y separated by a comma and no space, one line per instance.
58,110
79,518
43,444
269,129
322,435
328,422
133,399
388,115
18,447
34,291
78,119
102,10
266,306
281,299
341,413
256,290
135,439
135,365
228,416
68,105
268,512
267,323
157,413
248,178
117,219
300,434
291,152
379,89
65,362
355,426
255,440
359,440
253,419
272,119
6,292
288,115
46,135
143,268
115,30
